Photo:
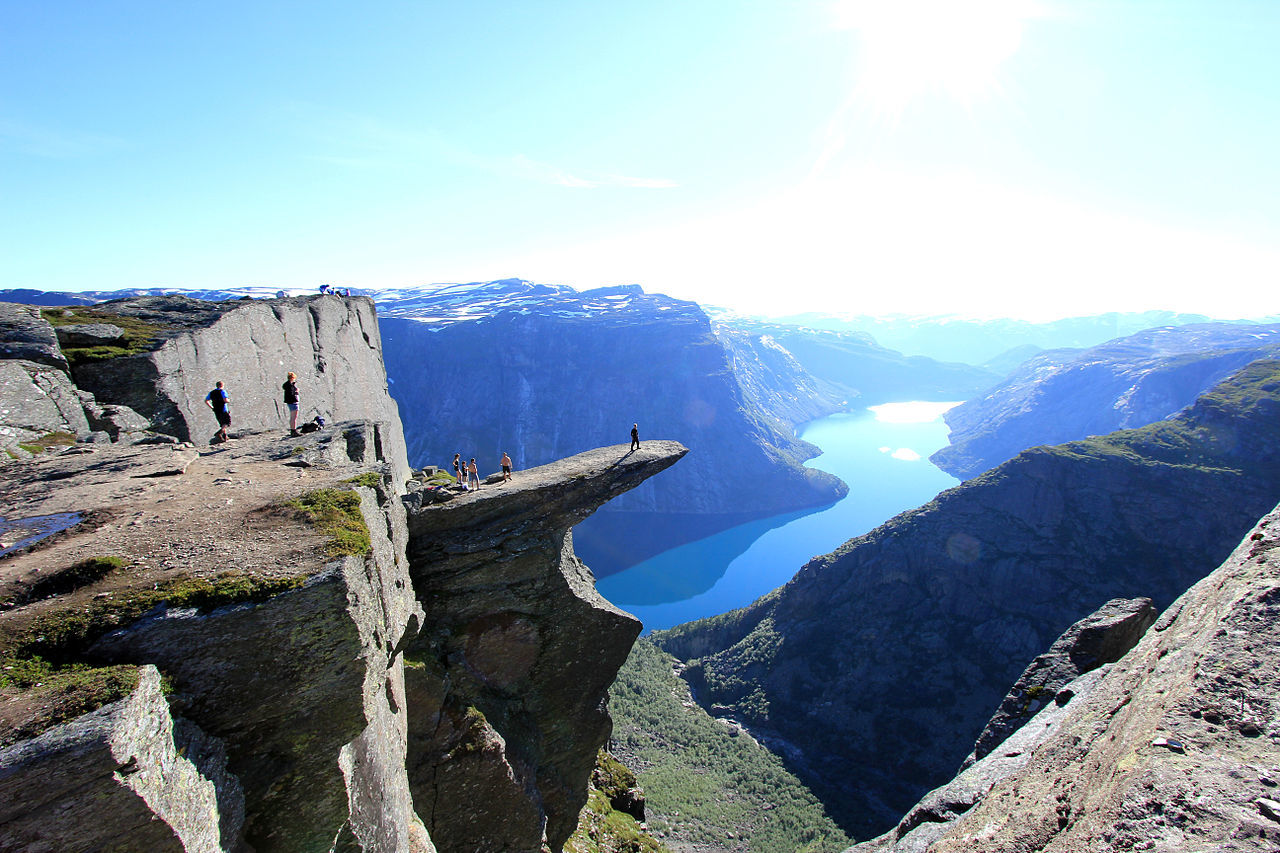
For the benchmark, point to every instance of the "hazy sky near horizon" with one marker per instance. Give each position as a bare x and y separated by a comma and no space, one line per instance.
1027,158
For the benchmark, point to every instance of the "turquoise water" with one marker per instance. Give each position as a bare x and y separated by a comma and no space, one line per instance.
882,453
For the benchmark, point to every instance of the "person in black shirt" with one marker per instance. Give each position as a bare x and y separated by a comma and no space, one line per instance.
291,400
218,401
635,437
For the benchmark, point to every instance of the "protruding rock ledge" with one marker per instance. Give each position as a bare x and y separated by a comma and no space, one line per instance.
560,493
518,648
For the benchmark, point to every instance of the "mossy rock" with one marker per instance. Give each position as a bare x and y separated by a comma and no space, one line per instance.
336,513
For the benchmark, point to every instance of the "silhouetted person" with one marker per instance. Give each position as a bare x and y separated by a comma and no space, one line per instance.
635,437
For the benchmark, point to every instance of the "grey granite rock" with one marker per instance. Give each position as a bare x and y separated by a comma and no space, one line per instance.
114,419
26,335
36,399
307,692
1103,636
1178,745
938,810
515,630
332,344
124,777
89,334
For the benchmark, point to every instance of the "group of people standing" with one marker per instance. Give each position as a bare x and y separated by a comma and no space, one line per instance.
219,402
468,475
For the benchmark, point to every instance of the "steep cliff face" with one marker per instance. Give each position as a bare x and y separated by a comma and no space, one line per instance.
520,649
881,661
332,344
1130,382
341,660
1177,746
543,382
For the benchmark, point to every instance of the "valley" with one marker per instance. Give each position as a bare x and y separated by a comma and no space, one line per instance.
845,684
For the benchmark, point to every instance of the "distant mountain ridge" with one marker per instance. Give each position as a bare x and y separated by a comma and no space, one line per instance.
1064,395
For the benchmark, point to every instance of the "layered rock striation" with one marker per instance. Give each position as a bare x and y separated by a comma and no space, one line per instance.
519,650
331,343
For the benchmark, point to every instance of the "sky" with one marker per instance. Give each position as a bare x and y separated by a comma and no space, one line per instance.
1022,158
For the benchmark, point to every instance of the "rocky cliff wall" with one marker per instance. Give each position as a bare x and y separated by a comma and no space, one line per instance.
1177,746
291,721
544,385
880,662
279,584
331,343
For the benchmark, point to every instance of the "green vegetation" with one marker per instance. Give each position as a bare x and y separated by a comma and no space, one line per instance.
139,335
68,692
708,784
439,478
336,513
46,653
369,479
61,635
48,441
603,829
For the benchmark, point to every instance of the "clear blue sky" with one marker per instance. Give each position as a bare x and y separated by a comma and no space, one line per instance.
1018,157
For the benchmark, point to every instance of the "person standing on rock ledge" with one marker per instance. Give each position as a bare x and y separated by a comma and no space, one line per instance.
635,437
457,470
218,401
473,475
291,400
506,467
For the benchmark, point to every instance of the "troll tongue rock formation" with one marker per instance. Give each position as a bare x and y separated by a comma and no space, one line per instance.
518,652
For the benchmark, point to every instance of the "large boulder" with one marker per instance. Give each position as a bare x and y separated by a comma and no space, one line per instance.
35,400
1103,636
25,334
124,777
89,334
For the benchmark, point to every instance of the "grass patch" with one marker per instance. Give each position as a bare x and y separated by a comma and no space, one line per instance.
706,785
61,636
48,441
603,829
139,335
66,693
369,479
440,478
336,513
47,654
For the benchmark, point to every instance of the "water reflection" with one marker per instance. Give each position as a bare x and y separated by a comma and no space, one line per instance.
880,453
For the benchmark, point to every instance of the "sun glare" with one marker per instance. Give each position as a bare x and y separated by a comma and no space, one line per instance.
912,48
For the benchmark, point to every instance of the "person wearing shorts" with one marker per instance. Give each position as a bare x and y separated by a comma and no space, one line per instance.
473,475
506,467
218,401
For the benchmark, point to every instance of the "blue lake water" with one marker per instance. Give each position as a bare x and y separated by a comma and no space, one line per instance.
882,453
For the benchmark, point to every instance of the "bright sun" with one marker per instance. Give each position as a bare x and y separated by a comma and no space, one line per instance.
910,48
